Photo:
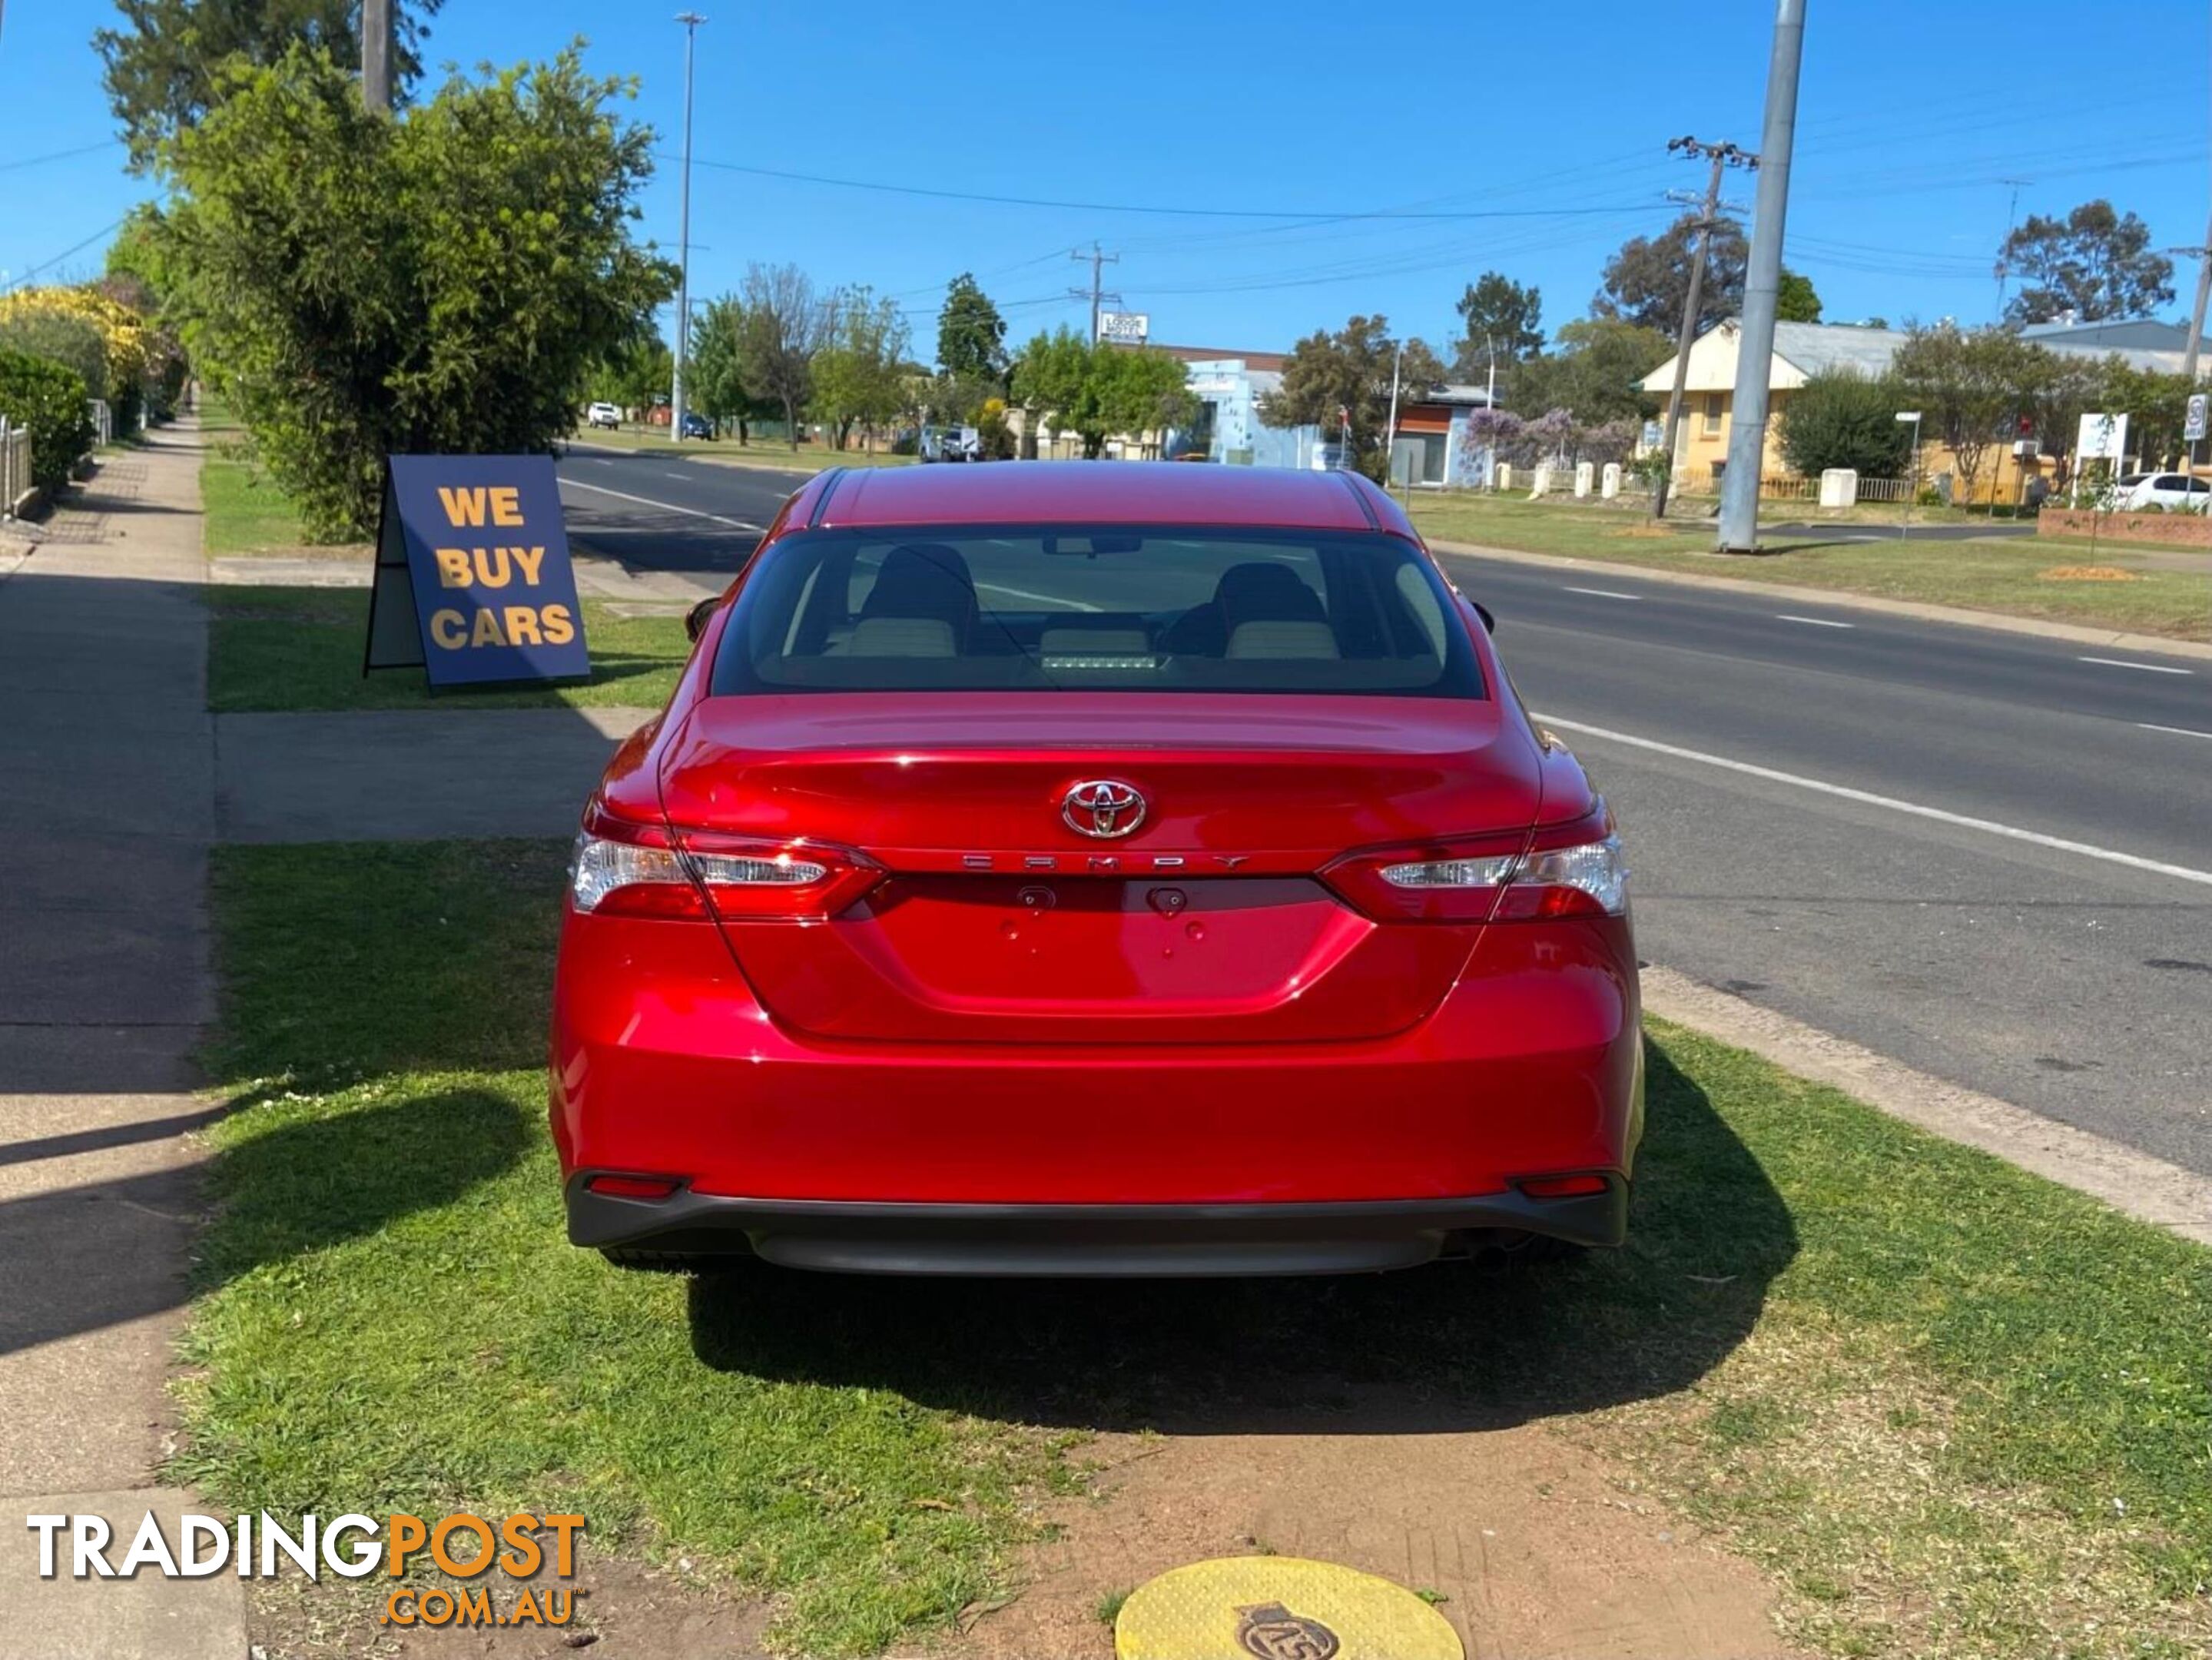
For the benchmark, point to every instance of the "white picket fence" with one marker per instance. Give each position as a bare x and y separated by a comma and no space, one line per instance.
15,466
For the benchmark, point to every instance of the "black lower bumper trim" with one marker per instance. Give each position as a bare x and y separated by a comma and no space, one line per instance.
1348,1237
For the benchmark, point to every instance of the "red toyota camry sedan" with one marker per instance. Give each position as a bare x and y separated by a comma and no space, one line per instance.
1094,868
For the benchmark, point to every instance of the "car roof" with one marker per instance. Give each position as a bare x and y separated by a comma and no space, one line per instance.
1098,492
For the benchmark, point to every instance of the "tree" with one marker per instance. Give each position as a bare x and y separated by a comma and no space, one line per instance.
1594,373
439,283
162,68
1648,280
1840,419
787,324
140,253
1795,301
2156,406
2060,388
58,337
2094,262
856,375
1095,389
1970,387
971,335
636,374
133,358
1049,375
1553,436
1350,371
1500,316
716,367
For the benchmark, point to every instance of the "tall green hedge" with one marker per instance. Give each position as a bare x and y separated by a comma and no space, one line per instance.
1839,419
50,399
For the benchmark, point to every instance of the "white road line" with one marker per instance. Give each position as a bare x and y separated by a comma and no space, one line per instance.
2182,731
685,477
1604,593
665,507
1989,827
1815,621
1050,601
2147,668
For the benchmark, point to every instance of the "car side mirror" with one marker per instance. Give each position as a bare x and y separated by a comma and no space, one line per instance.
1482,614
696,619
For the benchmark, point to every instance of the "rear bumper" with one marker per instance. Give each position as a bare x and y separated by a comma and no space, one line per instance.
665,1064
1347,1237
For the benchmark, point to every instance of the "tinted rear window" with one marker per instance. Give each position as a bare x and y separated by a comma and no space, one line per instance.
1119,608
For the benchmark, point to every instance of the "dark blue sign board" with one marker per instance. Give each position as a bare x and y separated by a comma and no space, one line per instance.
473,582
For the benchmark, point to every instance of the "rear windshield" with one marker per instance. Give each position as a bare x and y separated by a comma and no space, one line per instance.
1121,609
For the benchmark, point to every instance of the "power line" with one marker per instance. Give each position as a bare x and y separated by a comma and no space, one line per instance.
59,155
105,230
1130,207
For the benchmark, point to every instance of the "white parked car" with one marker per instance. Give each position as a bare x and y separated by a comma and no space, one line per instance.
603,415
951,444
2172,492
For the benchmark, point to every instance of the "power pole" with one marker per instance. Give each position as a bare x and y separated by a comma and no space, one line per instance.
1095,295
690,20
2204,257
2012,224
376,55
1722,157
1762,287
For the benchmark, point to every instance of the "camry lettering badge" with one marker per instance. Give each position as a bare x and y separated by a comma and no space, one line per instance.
1101,807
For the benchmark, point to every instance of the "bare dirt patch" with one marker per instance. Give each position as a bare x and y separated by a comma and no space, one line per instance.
1532,1548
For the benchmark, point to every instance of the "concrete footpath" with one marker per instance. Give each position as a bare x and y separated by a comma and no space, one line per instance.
104,986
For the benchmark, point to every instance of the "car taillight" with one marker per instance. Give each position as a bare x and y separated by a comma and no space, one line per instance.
624,868
1574,869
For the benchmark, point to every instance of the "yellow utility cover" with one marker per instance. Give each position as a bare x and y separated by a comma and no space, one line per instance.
1279,1608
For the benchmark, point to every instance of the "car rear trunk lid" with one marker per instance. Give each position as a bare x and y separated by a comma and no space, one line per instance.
1000,921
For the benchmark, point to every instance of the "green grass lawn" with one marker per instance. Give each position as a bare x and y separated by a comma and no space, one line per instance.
244,510
1952,1409
761,452
1996,574
301,648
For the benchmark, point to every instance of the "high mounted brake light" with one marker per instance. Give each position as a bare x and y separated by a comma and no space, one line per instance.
1573,869
621,867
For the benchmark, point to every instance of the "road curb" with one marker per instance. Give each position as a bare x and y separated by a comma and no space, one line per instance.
2147,1188
2074,633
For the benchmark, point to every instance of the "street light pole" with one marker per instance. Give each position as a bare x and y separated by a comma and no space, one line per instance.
1390,431
690,20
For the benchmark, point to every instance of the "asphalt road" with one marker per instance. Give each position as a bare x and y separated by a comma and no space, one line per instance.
1987,855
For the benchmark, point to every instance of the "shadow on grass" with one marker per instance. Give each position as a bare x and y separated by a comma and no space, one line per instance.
1455,1345
314,1179
319,1179
277,648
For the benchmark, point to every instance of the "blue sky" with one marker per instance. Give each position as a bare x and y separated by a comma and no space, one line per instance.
1551,123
